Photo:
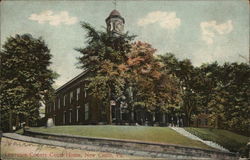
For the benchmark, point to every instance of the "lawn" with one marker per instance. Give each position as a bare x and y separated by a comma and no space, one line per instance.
142,133
20,131
232,141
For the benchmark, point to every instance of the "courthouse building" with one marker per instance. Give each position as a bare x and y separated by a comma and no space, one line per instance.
73,104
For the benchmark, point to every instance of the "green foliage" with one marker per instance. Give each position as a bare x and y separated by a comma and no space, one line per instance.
232,141
117,67
229,94
186,74
25,78
102,46
222,91
114,64
101,58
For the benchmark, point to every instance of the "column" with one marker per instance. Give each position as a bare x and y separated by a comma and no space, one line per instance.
132,115
153,117
120,114
164,118
178,124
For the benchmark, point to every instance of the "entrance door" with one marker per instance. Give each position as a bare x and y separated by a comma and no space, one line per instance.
113,114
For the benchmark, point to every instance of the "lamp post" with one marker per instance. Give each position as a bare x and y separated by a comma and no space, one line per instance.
131,99
112,104
10,118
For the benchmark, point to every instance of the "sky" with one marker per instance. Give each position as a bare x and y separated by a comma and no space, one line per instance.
202,31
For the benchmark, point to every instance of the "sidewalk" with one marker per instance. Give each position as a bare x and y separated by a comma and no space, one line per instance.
191,136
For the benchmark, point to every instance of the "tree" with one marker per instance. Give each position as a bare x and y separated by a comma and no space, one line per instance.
102,59
25,79
154,89
221,92
116,67
235,80
229,92
188,77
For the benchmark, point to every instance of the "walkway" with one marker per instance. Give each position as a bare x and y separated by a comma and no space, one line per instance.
191,136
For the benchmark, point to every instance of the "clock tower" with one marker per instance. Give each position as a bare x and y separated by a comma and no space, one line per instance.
115,23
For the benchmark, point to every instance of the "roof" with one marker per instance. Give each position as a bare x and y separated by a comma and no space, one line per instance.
114,14
71,81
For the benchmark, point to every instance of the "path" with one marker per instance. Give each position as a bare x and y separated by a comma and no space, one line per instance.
191,136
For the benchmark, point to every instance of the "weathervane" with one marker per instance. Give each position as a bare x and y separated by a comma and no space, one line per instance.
114,2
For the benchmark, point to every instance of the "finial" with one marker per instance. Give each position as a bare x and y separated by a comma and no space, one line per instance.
114,2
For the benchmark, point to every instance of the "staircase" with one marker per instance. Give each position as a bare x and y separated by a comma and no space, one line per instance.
191,136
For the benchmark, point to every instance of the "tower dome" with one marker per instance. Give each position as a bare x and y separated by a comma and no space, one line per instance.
115,22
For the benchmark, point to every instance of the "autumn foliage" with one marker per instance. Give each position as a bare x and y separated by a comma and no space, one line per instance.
120,64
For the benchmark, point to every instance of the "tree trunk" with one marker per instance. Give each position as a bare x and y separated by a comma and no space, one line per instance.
27,122
132,116
217,122
109,114
10,122
109,109
187,120
17,122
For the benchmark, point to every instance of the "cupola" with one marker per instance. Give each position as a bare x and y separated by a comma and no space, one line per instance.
115,23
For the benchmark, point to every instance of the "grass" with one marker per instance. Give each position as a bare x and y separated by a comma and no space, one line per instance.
20,131
232,141
141,133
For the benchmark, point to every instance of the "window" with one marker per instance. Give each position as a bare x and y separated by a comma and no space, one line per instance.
64,100
54,119
85,92
54,105
86,111
70,116
59,103
71,97
77,114
64,117
77,93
